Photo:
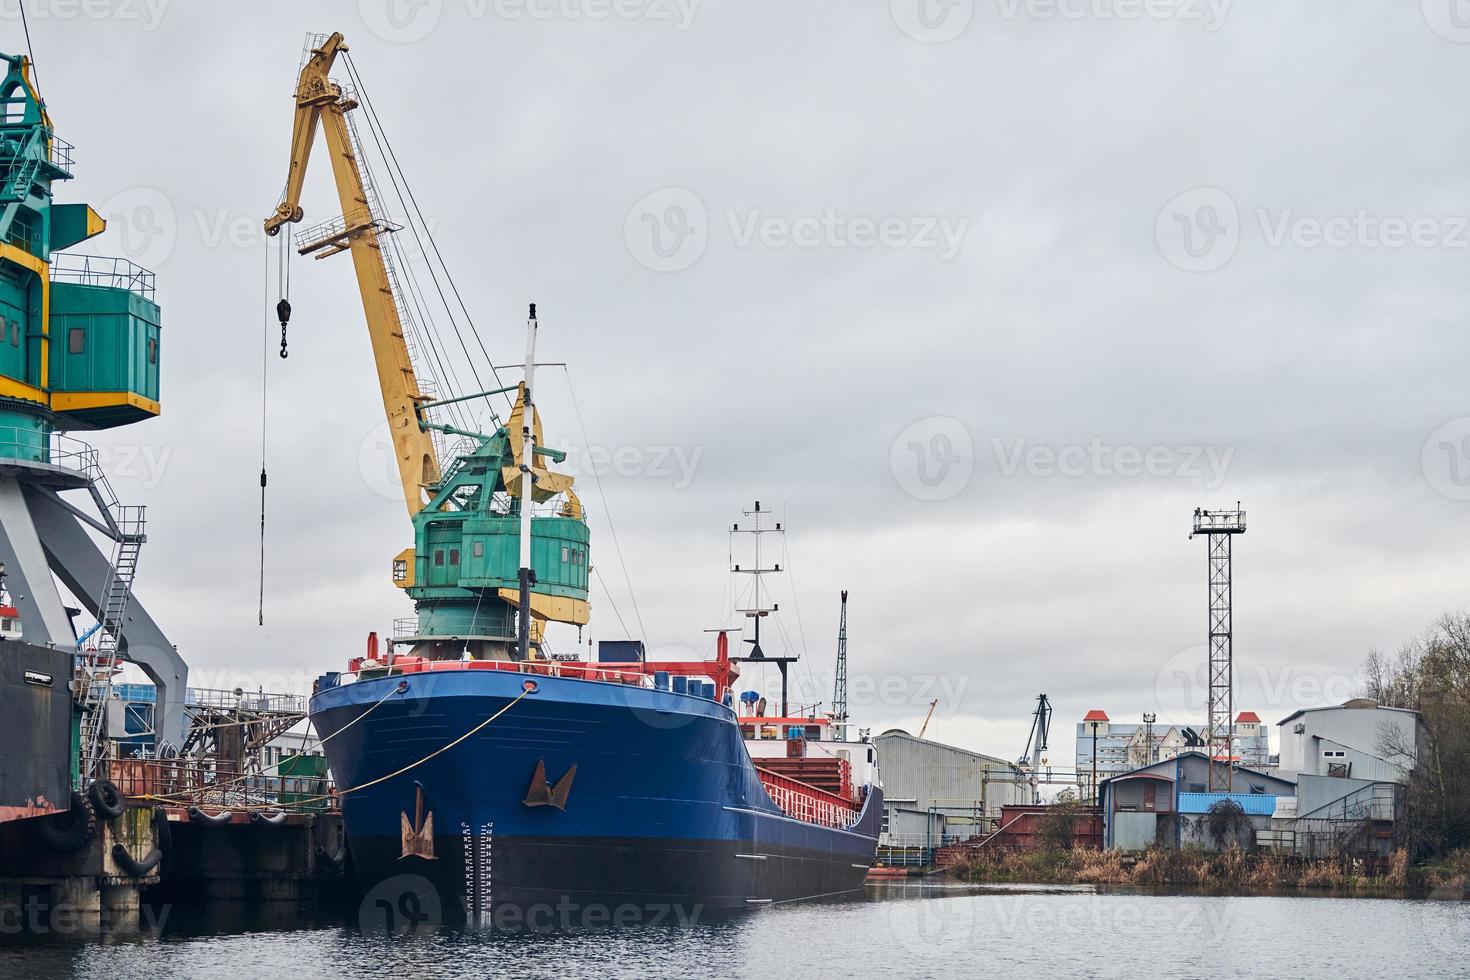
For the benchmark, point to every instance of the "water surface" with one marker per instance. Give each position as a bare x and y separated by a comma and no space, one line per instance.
899,930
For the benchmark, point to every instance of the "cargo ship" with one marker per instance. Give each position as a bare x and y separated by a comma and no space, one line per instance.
483,776
594,788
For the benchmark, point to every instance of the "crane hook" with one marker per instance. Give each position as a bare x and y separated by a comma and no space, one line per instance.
283,313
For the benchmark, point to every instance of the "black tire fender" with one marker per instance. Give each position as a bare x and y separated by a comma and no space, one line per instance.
69,832
163,834
270,820
197,815
106,798
132,865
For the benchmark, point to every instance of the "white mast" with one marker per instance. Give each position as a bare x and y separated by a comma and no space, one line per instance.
528,484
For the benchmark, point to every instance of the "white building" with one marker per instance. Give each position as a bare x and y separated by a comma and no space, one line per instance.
1355,740
936,791
1126,746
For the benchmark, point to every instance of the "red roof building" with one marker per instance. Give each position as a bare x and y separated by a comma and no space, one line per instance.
1096,714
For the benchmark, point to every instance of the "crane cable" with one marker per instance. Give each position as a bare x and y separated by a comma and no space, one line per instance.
396,177
35,73
283,306
398,772
264,389
606,511
245,777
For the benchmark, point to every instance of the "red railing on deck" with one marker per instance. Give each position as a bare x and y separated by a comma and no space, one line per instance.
806,802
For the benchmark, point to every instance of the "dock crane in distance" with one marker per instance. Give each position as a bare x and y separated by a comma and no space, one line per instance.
1036,744
479,557
925,727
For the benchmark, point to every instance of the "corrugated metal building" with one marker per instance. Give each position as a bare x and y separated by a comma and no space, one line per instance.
1357,740
939,792
1166,803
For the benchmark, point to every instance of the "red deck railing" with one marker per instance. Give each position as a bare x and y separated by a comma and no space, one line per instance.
806,802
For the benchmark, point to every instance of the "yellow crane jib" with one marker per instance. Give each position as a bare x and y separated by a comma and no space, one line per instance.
323,104
488,569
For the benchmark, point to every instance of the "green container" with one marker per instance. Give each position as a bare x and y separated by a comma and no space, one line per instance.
306,778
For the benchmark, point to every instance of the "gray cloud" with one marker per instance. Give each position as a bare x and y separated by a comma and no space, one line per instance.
1061,320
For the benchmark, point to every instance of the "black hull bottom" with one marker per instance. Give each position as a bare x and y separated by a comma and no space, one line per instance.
506,883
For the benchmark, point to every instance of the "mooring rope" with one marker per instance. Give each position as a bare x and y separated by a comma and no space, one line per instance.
216,787
307,801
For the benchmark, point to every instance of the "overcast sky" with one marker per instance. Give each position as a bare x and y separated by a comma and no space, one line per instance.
985,297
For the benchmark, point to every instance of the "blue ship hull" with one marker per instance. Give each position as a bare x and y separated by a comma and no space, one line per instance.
664,814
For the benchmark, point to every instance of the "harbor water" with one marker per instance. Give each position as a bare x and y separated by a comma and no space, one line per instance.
898,930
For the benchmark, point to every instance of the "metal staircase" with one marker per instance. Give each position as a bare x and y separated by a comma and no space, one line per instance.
128,525
1346,825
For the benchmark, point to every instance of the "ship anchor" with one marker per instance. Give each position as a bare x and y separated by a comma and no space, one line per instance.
542,793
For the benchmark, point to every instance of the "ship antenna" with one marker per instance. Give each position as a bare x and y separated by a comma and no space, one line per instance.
528,482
